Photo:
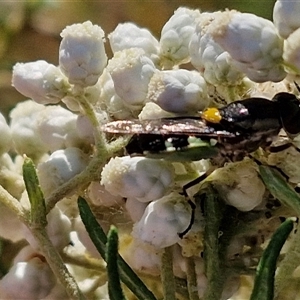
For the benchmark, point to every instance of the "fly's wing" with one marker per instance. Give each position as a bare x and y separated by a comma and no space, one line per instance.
171,126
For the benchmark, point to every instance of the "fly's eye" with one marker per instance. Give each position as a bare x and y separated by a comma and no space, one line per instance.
212,115
289,107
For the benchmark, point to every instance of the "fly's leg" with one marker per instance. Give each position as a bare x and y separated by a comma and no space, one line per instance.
191,203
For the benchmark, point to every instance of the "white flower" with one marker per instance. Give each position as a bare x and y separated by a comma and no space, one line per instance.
31,279
10,225
163,220
291,50
83,237
85,128
40,81
176,35
239,185
6,137
142,257
252,42
129,35
137,177
135,208
82,56
286,16
99,196
179,91
152,111
287,160
212,61
24,129
57,128
110,101
58,229
11,176
131,71
61,166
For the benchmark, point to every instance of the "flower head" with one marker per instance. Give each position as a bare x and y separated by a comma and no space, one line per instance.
252,42
137,177
5,133
24,129
40,81
210,59
163,219
286,16
239,185
176,35
82,56
32,279
178,91
61,166
128,35
131,71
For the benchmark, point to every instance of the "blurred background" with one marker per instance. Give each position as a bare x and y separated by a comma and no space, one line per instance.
29,30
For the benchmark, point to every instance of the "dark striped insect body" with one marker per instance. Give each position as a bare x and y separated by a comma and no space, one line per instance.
229,133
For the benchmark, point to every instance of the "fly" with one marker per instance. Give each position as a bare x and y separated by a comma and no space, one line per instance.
227,133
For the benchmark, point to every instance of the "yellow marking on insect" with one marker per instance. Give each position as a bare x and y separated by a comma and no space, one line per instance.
212,115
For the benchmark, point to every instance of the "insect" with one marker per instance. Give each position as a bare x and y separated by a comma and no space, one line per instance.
227,133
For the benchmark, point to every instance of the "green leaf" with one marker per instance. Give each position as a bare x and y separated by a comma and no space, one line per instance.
214,269
264,280
35,194
114,285
279,188
99,239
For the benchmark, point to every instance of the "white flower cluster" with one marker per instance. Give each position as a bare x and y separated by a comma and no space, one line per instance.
232,54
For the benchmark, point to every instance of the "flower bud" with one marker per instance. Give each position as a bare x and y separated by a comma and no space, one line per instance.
239,185
163,219
61,166
291,50
137,177
82,56
40,81
113,103
131,71
128,35
6,138
24,128
178,91
176,35
57,128
32,279
286,16
252,42
143,257
101,197
287,161
212,61
58,229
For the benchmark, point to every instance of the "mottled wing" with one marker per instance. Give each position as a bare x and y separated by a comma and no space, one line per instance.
170,126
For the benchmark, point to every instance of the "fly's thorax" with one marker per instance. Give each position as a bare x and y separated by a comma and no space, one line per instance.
251,115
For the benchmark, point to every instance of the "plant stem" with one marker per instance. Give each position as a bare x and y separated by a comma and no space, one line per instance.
191,279
167,276
214,264
56,263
